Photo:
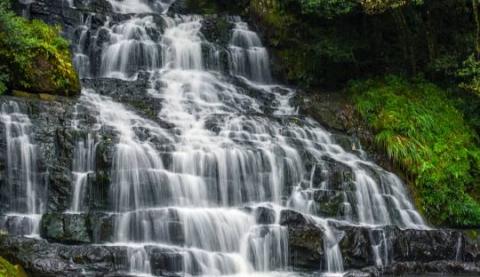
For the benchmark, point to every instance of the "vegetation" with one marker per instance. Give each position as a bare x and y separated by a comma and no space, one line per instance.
9,270
33,56
421,130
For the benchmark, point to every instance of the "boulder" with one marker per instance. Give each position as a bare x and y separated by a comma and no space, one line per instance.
305,241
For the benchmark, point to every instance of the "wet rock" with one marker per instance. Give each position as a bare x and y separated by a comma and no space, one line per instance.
410,251
356,248
217,29
131,93
305,241
66,228
102,227
101,180
264,215
329,203
40,258
442,267
50,131
165,262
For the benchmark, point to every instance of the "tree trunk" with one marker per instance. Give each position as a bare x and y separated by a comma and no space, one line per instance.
477,28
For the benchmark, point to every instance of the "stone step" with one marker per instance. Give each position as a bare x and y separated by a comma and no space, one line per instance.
398,250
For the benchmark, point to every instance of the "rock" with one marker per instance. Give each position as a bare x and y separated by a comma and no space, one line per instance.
165,262
305,241
329,203
102,227
99,193
356,247
66,228
40,258
442,267
292,218
264,215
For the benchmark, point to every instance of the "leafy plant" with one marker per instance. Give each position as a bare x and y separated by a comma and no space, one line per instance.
33,53
9,270
421,130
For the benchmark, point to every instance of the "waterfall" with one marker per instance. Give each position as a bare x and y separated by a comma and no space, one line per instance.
223,142
25,203
81,59
83,166
248,56
186,191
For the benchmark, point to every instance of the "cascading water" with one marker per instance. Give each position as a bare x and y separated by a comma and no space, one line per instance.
26,202
223,153
223,150
248,56
141,6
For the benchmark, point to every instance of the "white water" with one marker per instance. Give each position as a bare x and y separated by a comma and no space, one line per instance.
26,202
141,6
83,166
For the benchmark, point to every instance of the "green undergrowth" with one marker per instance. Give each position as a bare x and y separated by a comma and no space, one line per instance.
421,130
9,270
34,56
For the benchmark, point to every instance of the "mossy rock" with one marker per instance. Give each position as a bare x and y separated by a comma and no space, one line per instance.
35,57
41,96
53,75
9,270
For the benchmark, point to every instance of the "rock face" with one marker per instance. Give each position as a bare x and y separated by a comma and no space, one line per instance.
65,228
41,258
387,250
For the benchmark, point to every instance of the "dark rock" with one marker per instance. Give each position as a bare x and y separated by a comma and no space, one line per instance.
292,218
165,262
40,258
66,228
102,227
305,241
264,215
356,248
442,267
329,203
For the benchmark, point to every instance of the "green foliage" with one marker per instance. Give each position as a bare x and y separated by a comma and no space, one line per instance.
9,270
422,131
379,6
328,8
333,8
33,55
310,53
469,73
3,79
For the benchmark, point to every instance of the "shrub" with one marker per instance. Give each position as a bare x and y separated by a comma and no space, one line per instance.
421,130
34,56
9,270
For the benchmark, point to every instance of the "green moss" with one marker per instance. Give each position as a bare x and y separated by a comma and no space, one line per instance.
9,270
34,56
422,131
